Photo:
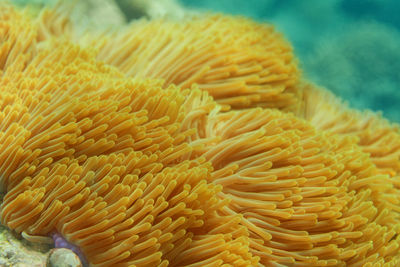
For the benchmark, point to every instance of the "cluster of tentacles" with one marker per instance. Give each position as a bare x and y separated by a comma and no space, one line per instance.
188,143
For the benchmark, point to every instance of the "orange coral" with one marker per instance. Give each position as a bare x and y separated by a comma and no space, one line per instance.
238,62
97,158
144,172
377,136
17,39
306,197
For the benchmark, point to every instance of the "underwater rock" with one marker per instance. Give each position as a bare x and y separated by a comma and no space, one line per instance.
61,243
14,252
134,9
21,253
62,257
97,14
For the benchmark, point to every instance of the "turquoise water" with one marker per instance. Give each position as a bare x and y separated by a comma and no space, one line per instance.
352,47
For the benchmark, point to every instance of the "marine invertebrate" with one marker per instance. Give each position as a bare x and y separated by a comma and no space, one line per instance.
377,136
103,171
95,140
17,39
238,62
306,197
90,150
139,172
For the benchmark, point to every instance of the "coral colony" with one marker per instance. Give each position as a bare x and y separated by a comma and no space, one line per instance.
194,142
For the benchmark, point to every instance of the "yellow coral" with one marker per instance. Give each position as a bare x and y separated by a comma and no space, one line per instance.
17,39
377,136
306,197
98,158
238,62
142,172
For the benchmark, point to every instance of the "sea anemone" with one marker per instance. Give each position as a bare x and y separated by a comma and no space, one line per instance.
238,62
376,135
176,148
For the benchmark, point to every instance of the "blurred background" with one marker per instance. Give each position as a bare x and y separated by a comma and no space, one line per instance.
351,47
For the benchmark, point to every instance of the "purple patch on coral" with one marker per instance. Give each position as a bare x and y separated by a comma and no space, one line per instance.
60,242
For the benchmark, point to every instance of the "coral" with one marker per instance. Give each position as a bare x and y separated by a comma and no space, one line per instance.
300,191
17,39
170,144
97,159
348,46
376,135
238,62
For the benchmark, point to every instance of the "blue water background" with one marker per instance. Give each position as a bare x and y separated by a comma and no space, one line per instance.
351,47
